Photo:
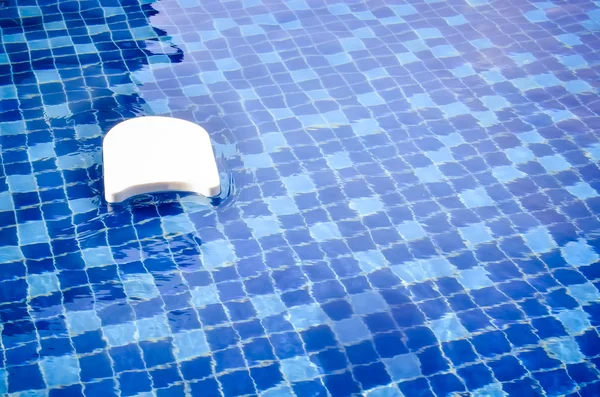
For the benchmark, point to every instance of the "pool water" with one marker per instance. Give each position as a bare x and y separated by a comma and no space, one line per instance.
410,202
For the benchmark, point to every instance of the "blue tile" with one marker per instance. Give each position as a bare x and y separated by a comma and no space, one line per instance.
325,231
476,198
539,240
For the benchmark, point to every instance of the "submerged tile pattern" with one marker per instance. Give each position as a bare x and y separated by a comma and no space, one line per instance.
415,203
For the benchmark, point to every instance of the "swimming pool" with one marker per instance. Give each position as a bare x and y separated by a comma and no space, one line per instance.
410,206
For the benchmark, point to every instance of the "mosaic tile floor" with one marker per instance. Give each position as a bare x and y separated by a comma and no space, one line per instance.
414,205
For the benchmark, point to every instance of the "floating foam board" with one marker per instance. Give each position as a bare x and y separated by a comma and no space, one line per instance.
158,154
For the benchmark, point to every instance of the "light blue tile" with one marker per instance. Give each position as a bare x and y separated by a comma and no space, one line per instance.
352,44
406,57
522,58
578,86
495,102
190,344
384,391
579,253
364,33
33,232
477,197
217,254
560,115
448,328
47,76
547,80
254,30
212,76
520,154
525,83
260,160
300,76
30,11
21,183
368,302
180,223
228,64
8,92
273,141
263,226
306,316
403,366
455,109
411,230
403,10
366,205
451,140
339,9
429,174
282,205
476,234
12,127
152,327
428,33
325,231
493,76
60,371
299,184
267,305
569,39
594,152
490,390
437,267
42,284
486,119
440,156
9,253
539,240
224,23
456,20
482,43
474,278
297,5
444,51
507,173
195,90
585,293
281,391
582,191
411,272
298,369
140,286
339,160
6,203
339,59
371,260
83,131
575,321
531,137
83,205
573,61
3,381
566,350
463,71
351,330
99,256
536,16
57,111
370,99
120,334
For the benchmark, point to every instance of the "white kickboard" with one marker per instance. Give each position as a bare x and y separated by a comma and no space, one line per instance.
158,154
